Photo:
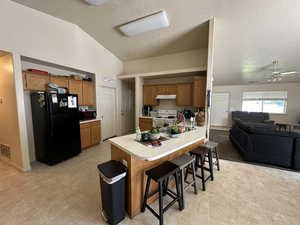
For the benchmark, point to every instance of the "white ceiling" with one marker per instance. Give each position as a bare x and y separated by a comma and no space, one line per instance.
249,35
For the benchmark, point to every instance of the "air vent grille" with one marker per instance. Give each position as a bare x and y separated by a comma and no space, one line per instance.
5,151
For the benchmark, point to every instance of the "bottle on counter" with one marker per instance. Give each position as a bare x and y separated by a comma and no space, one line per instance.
138,134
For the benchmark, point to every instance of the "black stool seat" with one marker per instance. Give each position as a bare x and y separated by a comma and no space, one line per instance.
199,151
213,147
162,171
161,174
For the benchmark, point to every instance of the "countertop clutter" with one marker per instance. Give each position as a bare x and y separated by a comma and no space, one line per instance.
129,144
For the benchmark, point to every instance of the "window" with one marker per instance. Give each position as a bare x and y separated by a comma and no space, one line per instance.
265,101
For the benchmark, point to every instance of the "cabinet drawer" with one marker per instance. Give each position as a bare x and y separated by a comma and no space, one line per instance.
95,123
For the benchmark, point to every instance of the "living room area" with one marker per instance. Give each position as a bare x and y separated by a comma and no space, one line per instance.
258,123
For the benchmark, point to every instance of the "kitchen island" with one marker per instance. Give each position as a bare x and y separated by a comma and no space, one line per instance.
140,158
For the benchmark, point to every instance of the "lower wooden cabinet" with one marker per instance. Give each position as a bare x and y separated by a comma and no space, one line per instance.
90,134
145,124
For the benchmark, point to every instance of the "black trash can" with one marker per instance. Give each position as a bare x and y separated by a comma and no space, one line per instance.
113,181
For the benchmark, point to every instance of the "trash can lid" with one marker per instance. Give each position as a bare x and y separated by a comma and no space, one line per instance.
112,169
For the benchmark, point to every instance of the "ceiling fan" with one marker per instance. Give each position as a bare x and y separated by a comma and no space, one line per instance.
278,75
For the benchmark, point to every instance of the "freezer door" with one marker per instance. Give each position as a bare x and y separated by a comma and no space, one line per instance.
65,136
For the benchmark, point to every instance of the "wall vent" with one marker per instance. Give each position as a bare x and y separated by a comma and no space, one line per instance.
5,151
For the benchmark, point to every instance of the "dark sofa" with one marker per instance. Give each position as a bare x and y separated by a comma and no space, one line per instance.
263,144
253,117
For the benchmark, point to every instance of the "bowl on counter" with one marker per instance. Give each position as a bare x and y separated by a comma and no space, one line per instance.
154,137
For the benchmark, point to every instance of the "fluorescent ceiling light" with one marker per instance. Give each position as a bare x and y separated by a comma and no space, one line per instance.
146,24
96,2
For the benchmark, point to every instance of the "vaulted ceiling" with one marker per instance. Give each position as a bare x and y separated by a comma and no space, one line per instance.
249,34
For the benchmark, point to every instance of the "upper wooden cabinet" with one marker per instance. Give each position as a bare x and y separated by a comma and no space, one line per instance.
60,81
35,81
199,92
149,95
167,89
184,94
145,124
75,87
88,93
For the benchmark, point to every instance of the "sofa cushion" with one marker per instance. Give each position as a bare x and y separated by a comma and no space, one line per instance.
255,127
296,163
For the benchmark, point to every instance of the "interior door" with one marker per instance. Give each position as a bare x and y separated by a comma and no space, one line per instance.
127,108
108,112
220,109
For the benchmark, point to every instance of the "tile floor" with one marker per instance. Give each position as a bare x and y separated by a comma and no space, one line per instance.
68,194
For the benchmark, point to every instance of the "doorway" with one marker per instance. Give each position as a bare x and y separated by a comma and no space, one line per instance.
128,106
220,109
108,112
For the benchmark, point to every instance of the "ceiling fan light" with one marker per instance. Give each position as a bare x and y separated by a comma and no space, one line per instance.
96,2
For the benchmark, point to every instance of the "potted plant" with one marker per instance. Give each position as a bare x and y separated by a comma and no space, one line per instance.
174,131
155,133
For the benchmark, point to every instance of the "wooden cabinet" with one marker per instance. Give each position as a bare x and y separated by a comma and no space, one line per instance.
90,134
88,93
149,95
60,81
199,92
184,94
167,89
145,123
85,135
75,87
35,81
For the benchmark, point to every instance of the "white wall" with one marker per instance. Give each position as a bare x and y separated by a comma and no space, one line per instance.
28,32
182,60
293,104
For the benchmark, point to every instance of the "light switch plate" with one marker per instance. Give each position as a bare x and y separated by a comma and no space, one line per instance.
1,100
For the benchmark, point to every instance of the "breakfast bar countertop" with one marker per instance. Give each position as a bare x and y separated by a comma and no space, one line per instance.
128,144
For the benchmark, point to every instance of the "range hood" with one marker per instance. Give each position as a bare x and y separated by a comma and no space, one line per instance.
166,97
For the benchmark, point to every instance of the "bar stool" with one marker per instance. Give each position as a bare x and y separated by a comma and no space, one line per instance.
160,174
213,147
185,162
200,154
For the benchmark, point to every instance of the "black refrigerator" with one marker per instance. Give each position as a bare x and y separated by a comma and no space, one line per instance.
56,126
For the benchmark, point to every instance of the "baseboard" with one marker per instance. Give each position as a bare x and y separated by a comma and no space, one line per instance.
225,128
10,163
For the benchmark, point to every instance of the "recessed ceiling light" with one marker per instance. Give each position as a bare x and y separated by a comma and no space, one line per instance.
149,23
96,2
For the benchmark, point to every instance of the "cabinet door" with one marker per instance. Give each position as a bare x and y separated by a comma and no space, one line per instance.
95,134
184,94
172,89
36,82
75,87
162,89
88,90
199,92
145,124
149,95
60,81
85,137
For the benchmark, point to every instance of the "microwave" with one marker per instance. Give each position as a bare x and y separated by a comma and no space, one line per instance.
88,115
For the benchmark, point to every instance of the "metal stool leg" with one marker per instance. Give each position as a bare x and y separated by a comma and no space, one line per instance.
146,194
182,187
217,158
211,165
202,159
194,178
178,191
161,206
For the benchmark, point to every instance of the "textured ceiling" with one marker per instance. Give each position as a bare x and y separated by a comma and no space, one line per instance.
186,31
249,34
